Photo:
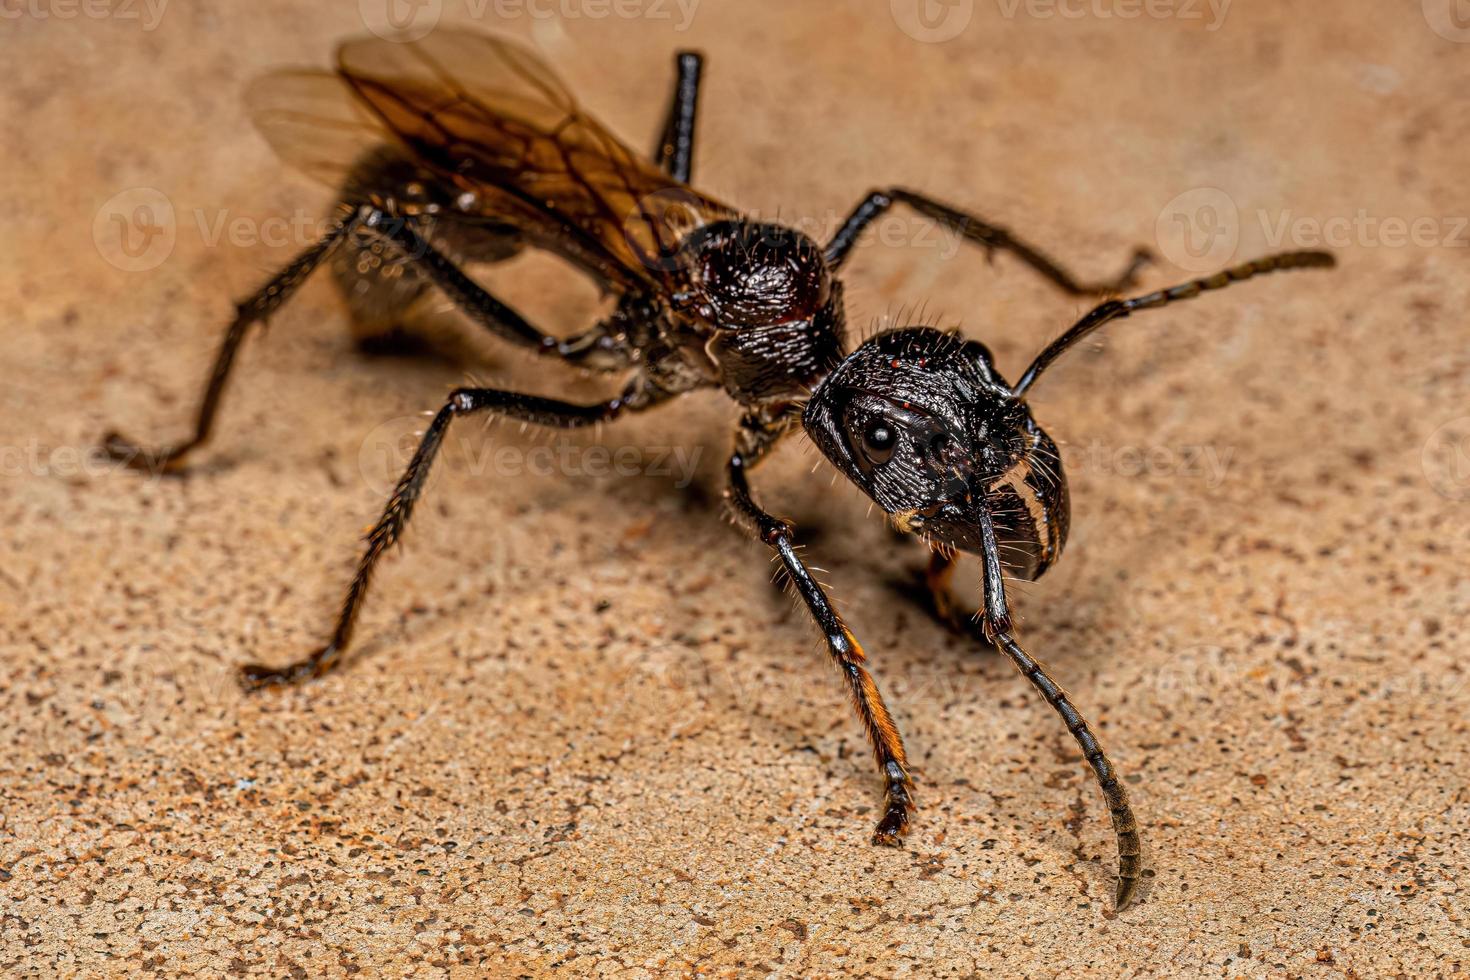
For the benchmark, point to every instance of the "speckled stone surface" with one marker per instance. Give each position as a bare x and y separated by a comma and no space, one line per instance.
583,733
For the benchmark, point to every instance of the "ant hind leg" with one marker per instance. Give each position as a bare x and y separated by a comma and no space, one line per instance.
257,309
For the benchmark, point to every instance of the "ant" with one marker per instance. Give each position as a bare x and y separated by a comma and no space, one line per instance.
467,144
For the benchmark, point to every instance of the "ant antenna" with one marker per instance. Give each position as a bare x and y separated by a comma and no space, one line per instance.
998,629
1116,309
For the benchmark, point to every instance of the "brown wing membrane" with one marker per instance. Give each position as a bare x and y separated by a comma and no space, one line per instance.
490,116
314,122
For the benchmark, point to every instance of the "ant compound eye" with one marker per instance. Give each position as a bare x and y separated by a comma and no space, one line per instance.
871,436
879,440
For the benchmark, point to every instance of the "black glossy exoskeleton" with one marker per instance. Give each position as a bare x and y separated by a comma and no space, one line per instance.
466,145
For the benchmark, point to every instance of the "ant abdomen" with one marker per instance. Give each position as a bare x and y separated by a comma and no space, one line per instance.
380,286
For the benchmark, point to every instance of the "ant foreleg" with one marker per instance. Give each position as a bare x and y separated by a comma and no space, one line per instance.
843,647
388,529
675,151
937,578
973,229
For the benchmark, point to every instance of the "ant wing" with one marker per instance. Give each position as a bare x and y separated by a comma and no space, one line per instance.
314,122
488,116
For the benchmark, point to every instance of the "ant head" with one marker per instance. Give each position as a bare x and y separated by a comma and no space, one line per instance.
923,423
754,274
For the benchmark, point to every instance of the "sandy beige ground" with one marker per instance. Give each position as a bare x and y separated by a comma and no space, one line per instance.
583,732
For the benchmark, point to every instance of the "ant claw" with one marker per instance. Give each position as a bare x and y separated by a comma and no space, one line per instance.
1123,895
898,803
891,829
257,677
120,449
1142,259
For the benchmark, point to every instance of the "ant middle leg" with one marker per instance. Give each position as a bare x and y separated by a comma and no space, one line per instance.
390,525
977,231
597,349
385,270
385,294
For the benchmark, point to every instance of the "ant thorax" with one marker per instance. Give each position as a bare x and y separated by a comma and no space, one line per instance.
774,311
